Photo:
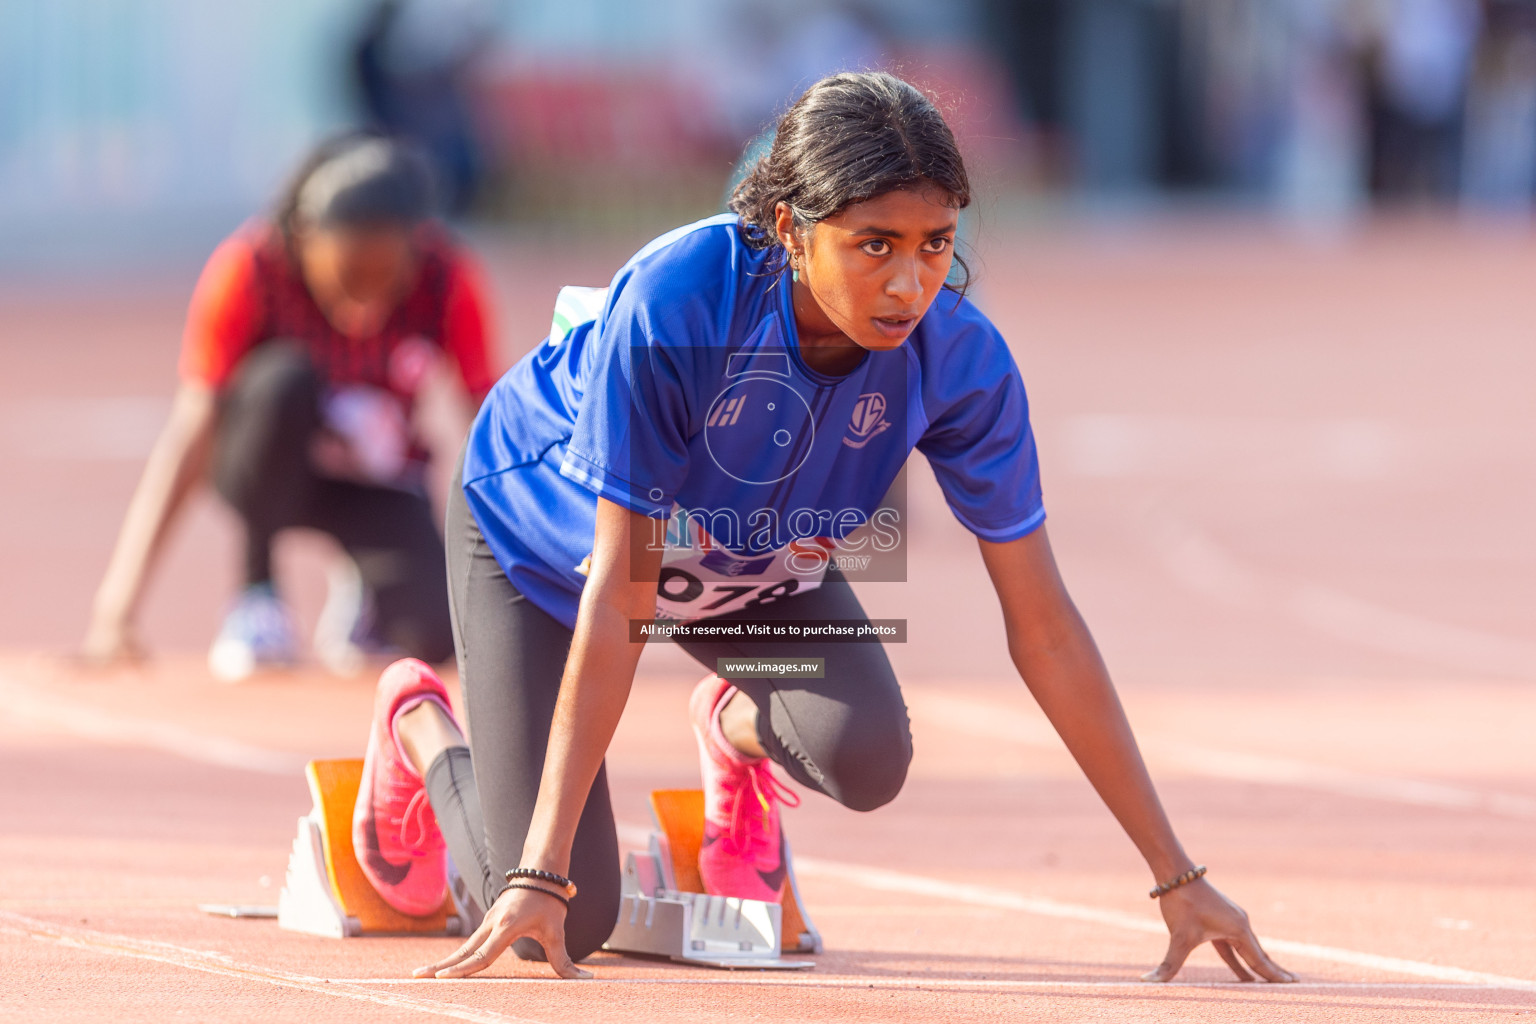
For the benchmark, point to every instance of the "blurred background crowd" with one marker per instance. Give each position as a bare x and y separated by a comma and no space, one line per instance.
123,121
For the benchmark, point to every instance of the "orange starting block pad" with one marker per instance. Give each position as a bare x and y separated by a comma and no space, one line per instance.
325,891
664,910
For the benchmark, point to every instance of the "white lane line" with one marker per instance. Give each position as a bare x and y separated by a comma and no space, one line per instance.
771,979
960,714
997,722
1395,632
111,427
214,963
358,989
972,715
1278,771
882,880
1206,568
1230,448
74,718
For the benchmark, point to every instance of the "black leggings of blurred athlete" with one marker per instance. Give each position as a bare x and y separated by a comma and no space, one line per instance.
261,466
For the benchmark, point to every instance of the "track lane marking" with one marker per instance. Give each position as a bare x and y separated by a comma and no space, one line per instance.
883,880
770,980
962,714
987,720
979,718
91,940
80,720
106,427
1204,567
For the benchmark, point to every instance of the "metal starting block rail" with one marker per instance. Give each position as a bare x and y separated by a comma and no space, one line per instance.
664,912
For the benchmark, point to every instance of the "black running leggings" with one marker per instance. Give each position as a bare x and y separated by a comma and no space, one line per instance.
845,735
261,466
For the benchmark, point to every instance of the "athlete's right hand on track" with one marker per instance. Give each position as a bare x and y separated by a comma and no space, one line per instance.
1197,913
517,914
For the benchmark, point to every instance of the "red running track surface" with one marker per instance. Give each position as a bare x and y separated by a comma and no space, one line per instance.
1290,486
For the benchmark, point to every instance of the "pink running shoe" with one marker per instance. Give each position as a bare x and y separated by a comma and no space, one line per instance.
394,832
743,850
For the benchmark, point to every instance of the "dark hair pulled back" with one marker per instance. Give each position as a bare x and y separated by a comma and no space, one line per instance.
849,138
370,178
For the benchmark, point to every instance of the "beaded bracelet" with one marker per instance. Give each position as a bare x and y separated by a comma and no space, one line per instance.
533,888
1184,879
544,876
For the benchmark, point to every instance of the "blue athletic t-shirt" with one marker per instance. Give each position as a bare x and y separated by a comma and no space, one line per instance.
684,397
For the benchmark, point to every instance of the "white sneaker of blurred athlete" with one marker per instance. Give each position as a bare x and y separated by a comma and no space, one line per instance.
257,633
344,642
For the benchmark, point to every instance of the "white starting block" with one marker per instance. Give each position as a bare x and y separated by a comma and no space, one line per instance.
663,909
660,917
325,891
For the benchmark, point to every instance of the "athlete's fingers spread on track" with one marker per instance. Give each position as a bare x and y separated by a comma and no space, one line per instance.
477,961
517,914
1248,945
477,939
1225,949
502,935
1197,913
470,945
1180,944
560,960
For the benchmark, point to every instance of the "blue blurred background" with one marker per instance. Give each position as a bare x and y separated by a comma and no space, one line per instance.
135,127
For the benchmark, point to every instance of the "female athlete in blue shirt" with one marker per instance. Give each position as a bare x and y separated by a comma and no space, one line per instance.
701,442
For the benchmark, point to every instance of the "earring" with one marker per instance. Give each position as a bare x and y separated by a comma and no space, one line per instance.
794,266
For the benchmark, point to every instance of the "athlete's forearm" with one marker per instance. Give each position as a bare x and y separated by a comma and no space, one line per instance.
598,674
175,465
1069,681
1055,653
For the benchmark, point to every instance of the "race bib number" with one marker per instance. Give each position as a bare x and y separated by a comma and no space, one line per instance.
701,584
701,578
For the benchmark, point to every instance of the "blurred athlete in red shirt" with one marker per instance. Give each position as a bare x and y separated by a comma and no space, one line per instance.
308,338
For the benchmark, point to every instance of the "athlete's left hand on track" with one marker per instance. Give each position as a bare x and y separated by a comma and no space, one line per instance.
1197,913
516,914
